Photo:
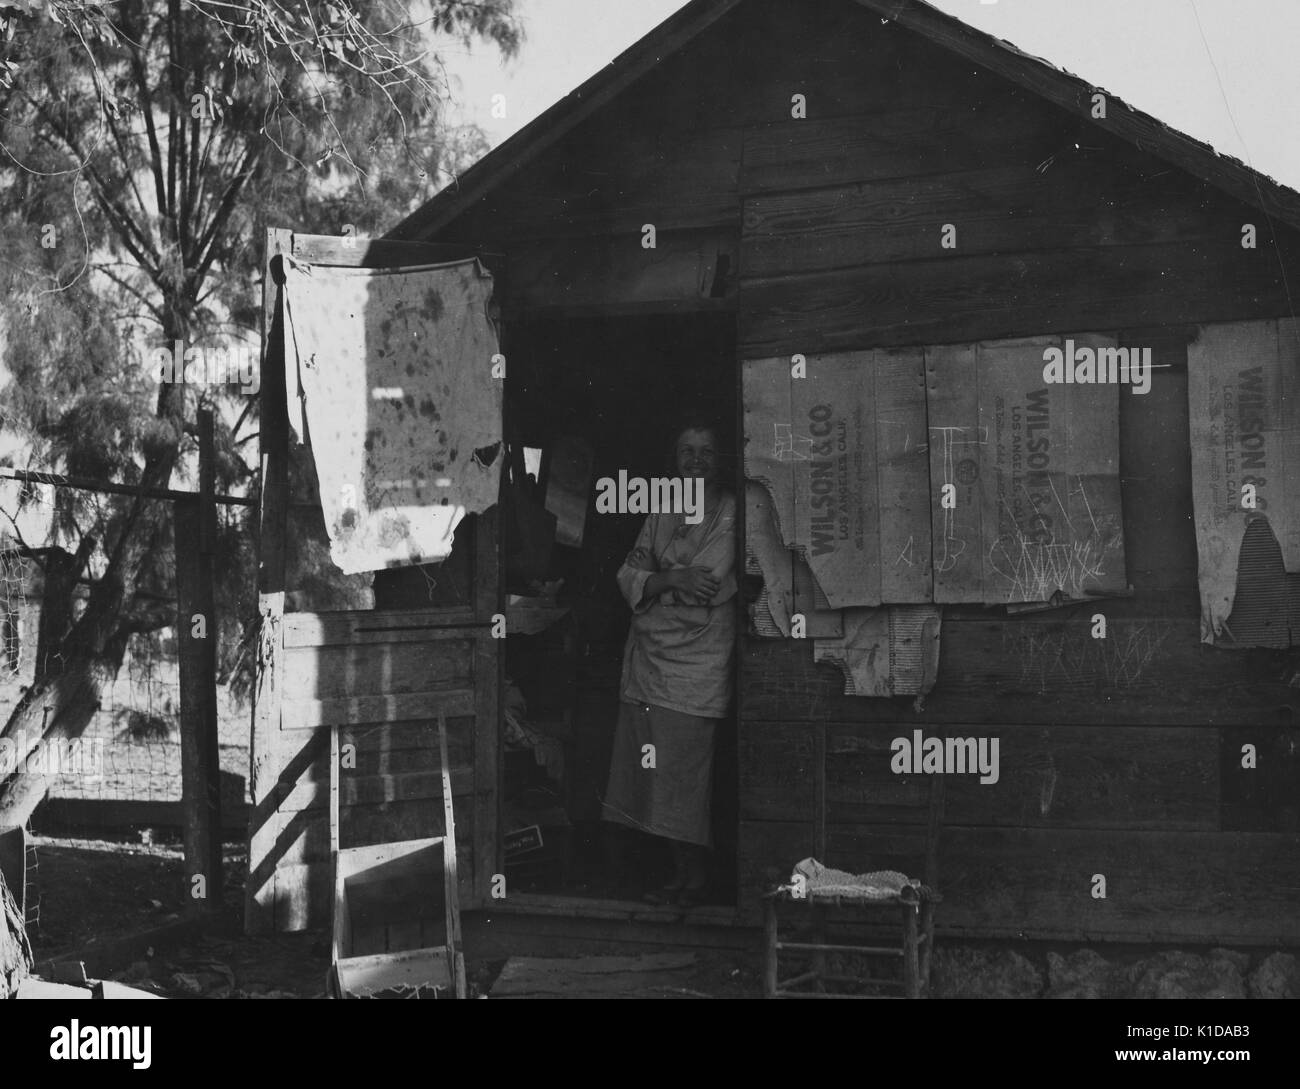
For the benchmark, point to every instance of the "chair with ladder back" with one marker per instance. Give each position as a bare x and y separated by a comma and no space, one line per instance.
813,912
368,876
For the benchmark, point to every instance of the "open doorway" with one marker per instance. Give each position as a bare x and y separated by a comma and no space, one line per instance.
585,399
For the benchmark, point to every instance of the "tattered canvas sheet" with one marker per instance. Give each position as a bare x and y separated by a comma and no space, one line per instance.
1035,473
886,652
840,452
1244,401
394,373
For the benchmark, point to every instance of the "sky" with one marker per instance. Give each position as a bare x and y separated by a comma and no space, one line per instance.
1223,71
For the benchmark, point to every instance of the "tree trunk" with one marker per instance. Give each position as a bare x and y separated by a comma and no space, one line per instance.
57,708
61,704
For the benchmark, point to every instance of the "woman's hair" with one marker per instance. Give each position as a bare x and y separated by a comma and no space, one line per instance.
696,419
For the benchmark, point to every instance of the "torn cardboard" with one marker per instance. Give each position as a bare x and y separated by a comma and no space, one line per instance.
886,652
1244,403
393,373
788,585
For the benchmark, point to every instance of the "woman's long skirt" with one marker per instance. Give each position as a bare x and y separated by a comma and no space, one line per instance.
667,789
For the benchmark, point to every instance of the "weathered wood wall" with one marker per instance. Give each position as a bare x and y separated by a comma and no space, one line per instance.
383,676
1115,754
1119,757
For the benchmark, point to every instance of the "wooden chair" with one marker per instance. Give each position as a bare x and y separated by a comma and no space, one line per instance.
913,908
361,872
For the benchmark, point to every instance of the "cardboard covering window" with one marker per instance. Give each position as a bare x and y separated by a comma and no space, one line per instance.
1035,474
841,453
1244,402
847,456
389,372
855,454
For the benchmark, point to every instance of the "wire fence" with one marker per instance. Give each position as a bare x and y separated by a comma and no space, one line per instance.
120,782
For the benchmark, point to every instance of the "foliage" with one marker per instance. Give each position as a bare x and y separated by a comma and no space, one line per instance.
145,145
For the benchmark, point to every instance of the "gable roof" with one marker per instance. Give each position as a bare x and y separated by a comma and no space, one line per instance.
1001,57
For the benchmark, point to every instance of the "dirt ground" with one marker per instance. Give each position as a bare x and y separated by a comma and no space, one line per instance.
106,891
112,892
95,890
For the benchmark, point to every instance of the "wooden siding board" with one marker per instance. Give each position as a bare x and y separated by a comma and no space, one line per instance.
960,299
1076,204
898,144
1161,886
1136,777
357,627
1151,669
609,273
354,710
777,770
378,669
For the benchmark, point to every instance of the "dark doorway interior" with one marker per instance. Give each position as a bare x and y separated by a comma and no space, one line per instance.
616,384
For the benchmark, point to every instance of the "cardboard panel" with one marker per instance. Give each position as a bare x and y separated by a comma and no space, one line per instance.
955,433
841,453
1047,456
836,492
903,475
1243,385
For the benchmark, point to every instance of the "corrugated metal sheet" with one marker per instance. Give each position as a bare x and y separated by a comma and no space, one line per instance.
1266,610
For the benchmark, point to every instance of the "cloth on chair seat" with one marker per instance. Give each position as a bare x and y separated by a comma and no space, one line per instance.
822,881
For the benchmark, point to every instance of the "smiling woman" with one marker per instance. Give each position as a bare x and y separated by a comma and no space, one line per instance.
677,668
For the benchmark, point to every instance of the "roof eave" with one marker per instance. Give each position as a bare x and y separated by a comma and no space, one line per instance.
514,153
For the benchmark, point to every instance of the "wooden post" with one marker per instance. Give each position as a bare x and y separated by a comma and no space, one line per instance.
196,638
769,948
911,965
273,442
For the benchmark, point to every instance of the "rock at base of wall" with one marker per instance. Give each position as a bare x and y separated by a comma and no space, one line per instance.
1187,975
1278,976
1085,974
976,973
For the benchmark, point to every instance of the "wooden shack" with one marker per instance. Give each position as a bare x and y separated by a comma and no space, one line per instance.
763,184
